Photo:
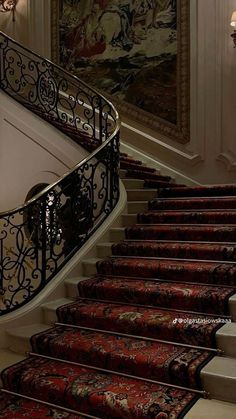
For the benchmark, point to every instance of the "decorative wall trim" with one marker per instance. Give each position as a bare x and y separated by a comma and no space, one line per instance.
228,158
150,144
39,13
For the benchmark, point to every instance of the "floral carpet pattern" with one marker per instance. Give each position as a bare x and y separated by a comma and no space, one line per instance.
175,295
198,203
189,271
149,359
133,342
101,394
210,233
141,321
185,250
19,408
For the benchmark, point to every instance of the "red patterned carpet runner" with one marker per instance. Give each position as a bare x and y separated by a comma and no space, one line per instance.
133,344
12,407
101,394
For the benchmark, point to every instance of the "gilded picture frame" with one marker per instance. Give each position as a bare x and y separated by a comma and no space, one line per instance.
157,53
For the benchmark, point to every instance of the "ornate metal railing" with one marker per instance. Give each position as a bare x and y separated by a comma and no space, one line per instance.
38,238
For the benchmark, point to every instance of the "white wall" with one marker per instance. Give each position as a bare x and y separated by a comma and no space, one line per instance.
31,152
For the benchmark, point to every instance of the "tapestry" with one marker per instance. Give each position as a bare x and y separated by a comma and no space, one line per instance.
135,52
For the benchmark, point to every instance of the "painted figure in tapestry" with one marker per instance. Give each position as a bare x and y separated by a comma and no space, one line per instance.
126,48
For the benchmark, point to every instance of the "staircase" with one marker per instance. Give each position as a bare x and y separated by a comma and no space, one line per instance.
148,331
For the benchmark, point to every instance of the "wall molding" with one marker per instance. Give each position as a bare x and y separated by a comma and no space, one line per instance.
39,13
228,158
131,134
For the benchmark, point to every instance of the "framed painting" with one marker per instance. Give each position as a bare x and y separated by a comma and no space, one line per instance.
135,52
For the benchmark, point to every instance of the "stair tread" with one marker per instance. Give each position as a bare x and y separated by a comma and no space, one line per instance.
52,305
147,321
156,358
211,409
8,358
17,407
27,331
87,381
195,297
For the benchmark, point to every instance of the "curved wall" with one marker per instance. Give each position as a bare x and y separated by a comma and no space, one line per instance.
31,152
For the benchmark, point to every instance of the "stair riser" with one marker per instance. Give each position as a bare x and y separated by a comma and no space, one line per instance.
137,206
182,234
141,194
217,382
187,218
220,253
117,234
133,183
189,205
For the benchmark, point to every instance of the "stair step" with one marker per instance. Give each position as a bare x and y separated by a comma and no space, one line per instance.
129,219
158,360
124,174
19,338
227,329
133,183
89,266
134,207
178,270
182,250
200,191
188,217
226,338
17,406
164,204
104,250
96,391
219,378
117,234
184,232
199,298
211,409
71,285
49,309
8,358
141,194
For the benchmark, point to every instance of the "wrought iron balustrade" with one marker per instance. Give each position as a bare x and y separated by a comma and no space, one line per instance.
38,238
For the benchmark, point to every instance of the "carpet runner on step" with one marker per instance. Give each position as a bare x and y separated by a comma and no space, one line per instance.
177,270
193,203
174,295
12,407
144,358
105,395
211,233
214,190
160,184
136,174
136,166
142,321
184,250
188,217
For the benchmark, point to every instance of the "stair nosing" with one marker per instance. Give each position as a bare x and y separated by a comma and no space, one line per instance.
175,259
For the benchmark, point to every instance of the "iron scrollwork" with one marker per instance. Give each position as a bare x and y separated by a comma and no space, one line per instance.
37,239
